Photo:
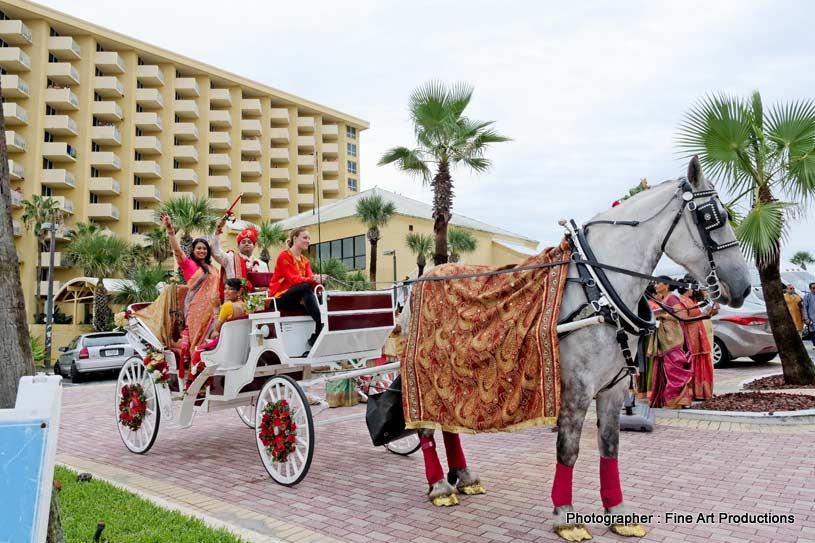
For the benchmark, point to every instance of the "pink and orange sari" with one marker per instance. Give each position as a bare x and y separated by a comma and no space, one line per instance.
699,351
672,370
199,307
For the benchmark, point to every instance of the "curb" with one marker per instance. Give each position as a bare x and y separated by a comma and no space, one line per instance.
787,418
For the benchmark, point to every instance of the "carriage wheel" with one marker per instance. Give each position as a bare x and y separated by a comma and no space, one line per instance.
247,414
295,467
134,373
405,446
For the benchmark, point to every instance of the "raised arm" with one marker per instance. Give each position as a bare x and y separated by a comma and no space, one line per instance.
218,253
168,225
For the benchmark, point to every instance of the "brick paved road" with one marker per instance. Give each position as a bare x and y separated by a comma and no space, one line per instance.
355,492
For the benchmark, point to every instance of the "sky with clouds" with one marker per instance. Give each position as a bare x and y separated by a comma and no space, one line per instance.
590,92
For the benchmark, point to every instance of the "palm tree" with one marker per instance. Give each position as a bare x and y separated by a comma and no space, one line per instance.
143,285
460,241
802,258
270,234
445,138
38,211
374,212
760,156
99,256
190,214
420,245
160,249
335,269
357,281
82,228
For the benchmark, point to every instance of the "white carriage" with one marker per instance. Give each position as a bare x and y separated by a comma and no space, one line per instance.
258,367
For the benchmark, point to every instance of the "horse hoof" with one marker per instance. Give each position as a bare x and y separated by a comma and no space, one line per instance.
573,532
445,501
443,494
465,482
628,530
473,489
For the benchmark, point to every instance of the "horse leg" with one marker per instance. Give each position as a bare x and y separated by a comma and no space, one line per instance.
459,475
574,403
441,492
609,406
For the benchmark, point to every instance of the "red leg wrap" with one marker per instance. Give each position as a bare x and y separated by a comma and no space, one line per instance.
455,454
610,491
432,466
562,485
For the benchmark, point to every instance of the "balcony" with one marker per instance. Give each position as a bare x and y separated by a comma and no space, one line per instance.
143,216
149,121
147,169
279,195
250,168
219,183
61,99
62,73
330,132
150,74
145,193
44,288
58,151
219,204
330,186
331,168
15,115
306,180
185,131
186,109
305,199
14,87
220,140
251,127
108,86
279,154
250,106
219,161
251,189
14,59
104,186
65,204
105,160
107,111
110,62
305,143
58,179
16,199
305,162
103,212
17,228
106,135
250,210
279,115
250,147
279,135
15,143
148,145
60,125
279,174
15,170
305,124
187,87
220,97
331,149
149,98
185,176
185,153
64,48
278,213
220,118
15,32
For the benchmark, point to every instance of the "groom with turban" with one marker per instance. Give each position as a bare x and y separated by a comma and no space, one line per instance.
236,265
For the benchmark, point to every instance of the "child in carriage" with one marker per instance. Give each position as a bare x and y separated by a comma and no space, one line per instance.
232,308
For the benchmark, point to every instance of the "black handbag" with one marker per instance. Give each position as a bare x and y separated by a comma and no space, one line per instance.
384,415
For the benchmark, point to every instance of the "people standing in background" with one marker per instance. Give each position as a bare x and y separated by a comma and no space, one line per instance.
795,305
672,371
809,309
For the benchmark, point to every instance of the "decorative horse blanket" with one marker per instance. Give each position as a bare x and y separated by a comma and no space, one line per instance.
481,354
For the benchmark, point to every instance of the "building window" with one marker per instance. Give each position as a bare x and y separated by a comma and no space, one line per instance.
410,228
3,43
99,48
176,186
139,108
351,251
94,198
139,131
95,147
45,191
352,166
136,180
47,164
3,16
352,149
139,85
97,97
177,119
52,58
136,204
176,164
135,229
49,137
95,172
352,184
140,61
351,132
54,33
136,155
98,72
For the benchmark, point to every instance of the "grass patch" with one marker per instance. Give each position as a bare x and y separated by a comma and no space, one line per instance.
127,517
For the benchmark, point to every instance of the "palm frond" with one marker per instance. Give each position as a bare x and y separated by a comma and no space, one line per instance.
357,281
142,285
420,244
190,214
461,241
407,160
762,230
802,258
374,211
270,234
478,165
99,255
791,129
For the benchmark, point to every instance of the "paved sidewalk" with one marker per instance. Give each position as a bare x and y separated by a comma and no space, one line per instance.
355,492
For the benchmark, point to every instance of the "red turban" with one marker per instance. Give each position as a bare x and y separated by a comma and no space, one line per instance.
248,233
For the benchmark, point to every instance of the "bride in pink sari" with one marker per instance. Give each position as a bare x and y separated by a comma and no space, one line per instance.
672,370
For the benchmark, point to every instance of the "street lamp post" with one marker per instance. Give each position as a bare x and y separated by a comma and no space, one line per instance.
49,307
392,252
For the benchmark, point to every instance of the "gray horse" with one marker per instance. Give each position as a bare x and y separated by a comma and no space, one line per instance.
591,358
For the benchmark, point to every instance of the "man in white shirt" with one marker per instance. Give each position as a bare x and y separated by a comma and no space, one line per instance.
237,265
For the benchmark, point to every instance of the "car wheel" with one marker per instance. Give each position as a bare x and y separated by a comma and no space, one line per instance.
763,357
721,356
76,377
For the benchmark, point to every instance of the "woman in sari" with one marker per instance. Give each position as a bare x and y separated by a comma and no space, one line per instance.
672,370
698,348
648,344
202,299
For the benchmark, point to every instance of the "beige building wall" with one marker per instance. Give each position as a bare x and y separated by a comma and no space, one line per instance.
130,126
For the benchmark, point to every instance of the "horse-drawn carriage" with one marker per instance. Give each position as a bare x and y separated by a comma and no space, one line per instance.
257,368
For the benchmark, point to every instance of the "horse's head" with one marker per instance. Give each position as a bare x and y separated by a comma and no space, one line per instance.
704,242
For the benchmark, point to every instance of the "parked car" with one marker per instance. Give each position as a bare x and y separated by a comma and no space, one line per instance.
93,352
743,332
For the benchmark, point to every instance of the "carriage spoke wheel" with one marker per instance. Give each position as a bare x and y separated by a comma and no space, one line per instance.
295,467
247,414
405,446
134,373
